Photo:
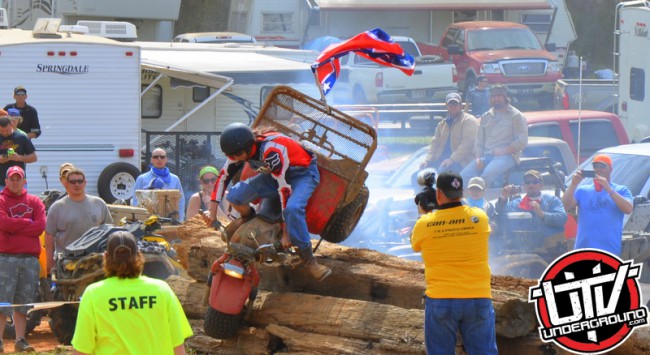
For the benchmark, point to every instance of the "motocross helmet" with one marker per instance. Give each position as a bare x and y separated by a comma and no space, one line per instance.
235,138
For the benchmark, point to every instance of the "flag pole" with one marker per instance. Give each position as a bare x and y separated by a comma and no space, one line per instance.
320,89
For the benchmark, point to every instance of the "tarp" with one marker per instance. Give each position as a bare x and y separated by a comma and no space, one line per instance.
214,68
432,4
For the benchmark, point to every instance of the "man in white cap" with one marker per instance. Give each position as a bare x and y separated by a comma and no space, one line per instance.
453,140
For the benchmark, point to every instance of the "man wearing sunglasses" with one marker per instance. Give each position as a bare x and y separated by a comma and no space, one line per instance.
285,170
547,213
602,205
71,216
160,171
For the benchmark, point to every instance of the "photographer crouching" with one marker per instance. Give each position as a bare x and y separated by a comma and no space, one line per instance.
454,243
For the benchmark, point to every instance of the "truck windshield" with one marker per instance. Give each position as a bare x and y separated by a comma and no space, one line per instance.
501,39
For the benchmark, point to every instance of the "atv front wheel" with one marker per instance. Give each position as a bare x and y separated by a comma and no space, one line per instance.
62,323
342,223
221,325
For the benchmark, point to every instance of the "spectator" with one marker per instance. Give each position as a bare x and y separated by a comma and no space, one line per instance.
71,216
285,169
453,140
159,170
479,97
601,204
22,220
107,324
16,119
457,274
16,148
548,214
64,169
476,198
502,136
30,124
200,201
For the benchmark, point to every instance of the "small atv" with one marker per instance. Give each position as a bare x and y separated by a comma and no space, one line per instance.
80,264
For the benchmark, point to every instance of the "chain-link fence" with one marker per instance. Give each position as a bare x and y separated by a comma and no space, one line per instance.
187,153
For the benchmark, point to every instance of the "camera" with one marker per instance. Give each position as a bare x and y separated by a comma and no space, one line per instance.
516,189
588,174
426,199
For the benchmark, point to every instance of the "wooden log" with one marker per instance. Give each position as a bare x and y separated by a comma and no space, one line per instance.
190,294
251,341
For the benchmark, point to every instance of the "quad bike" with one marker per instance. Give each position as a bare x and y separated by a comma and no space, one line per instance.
80,264
343,146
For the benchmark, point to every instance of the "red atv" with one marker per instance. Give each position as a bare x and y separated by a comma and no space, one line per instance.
344,146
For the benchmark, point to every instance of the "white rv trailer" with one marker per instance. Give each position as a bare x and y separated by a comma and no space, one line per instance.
633,26
86,90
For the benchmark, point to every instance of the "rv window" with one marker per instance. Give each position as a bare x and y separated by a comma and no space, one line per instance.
538,23
637,84
152,102
200,93
277,23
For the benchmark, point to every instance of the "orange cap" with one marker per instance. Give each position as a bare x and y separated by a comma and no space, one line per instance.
603,158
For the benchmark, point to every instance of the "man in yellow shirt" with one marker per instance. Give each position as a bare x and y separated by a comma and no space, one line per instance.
454,245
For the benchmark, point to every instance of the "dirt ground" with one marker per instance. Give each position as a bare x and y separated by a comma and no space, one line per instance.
42,340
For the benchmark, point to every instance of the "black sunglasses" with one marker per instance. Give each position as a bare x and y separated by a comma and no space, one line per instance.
159,156
531,182
599,165
77,181
209,181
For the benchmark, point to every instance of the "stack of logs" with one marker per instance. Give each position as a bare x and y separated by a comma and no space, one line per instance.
371,304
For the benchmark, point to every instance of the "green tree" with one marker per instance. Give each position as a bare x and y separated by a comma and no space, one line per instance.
202,16
594,25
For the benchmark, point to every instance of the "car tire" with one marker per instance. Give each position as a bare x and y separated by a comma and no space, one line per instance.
343,221
117,182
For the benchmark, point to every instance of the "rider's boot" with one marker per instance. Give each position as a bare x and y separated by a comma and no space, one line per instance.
316,270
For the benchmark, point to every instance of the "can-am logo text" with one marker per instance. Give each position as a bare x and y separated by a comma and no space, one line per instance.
588,301
62,69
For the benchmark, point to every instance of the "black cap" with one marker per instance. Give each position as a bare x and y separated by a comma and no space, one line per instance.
451,184
121,243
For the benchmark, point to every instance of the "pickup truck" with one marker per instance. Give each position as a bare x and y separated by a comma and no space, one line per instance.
597,94
362,81
506,53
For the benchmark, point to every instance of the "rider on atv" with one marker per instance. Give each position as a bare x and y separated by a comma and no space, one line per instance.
283,168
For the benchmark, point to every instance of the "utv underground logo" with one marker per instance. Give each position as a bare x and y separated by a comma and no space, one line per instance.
588,301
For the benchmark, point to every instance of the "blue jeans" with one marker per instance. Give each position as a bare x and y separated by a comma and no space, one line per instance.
303,182
474,317
493,171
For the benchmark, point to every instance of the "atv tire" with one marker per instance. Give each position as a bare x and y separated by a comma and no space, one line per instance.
343,222
62,323
221,325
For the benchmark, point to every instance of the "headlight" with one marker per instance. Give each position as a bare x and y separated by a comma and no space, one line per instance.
233,271
553,67
491,68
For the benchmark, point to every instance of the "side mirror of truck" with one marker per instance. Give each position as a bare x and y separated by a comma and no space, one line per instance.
551,47
454,49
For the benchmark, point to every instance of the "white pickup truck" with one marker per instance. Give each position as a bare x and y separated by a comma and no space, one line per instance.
362,81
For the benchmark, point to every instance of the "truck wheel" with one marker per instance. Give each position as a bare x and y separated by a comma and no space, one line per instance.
343,222
221,325
359,96
62,323
117,181
470,83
